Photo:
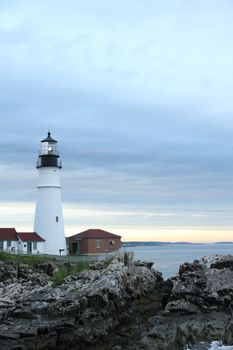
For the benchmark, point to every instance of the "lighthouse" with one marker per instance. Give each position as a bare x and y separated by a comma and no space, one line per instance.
48,222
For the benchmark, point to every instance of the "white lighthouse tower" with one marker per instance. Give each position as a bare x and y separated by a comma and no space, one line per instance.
48,216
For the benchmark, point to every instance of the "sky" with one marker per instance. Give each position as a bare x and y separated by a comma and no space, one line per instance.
139,96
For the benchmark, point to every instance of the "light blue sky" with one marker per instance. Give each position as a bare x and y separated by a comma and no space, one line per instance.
139,96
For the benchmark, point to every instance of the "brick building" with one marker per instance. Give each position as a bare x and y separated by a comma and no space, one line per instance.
94,241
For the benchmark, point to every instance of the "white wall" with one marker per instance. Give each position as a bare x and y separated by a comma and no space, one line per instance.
39,249
13,246
21,247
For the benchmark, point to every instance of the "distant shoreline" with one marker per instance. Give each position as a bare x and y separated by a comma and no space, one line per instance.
157,243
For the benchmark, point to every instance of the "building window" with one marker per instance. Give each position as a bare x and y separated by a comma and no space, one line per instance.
8,244
34,245
111,243
98,241
57,219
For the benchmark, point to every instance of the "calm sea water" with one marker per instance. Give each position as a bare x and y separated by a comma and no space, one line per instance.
168,258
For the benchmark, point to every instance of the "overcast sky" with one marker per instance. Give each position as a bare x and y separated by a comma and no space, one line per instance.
139,95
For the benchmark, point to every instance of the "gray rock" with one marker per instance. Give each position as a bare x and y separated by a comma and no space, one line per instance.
35,314
181,306
197,307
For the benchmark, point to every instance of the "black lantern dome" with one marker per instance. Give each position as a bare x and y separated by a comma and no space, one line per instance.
48,156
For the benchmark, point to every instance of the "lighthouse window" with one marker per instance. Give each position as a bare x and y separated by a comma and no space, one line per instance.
56,218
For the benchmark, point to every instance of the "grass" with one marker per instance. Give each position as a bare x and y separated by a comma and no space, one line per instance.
24,259
37,259
78,265
65,271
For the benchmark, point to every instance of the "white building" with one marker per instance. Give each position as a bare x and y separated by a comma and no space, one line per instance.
20,242
48,221
30,243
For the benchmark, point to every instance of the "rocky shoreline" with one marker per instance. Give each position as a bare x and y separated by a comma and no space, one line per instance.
122,305
35,314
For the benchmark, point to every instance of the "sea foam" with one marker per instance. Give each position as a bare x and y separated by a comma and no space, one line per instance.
215,345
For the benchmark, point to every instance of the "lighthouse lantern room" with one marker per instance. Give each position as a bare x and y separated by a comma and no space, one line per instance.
49,221
49,155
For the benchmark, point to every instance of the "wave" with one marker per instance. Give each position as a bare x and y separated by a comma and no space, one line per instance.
215,345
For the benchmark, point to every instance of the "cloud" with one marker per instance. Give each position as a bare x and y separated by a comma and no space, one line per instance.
150,51
138,96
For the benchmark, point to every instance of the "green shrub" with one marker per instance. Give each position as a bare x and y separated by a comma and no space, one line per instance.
65,271
108,261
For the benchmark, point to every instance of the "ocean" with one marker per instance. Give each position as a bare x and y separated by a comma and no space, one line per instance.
168,258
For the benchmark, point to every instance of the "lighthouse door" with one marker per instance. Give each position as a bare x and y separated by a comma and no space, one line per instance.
29,247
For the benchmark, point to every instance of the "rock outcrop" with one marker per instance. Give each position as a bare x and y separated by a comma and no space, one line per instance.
197,306
34,314
125,305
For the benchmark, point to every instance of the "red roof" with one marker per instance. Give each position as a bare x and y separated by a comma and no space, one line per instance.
94,233
30,236
8,234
